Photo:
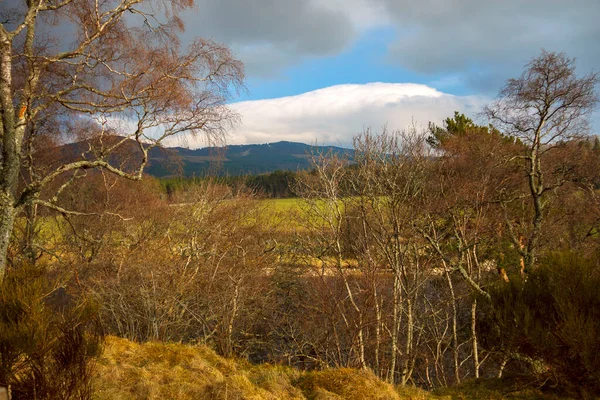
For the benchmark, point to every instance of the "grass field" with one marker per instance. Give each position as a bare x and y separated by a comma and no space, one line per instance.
284,205
297,214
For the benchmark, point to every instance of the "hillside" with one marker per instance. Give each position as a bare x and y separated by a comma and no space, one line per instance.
248,159
236,159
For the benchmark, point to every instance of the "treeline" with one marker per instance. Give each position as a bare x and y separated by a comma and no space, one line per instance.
275,185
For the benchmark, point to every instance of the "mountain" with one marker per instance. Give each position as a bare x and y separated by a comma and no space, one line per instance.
249,159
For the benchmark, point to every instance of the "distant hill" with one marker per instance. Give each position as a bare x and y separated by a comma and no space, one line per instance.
250,159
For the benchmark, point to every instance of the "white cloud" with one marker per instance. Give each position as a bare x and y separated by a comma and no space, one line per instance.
335,114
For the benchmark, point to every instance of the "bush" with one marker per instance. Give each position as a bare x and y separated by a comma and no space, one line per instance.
47,337
553,318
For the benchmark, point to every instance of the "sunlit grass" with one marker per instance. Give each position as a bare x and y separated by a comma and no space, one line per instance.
129,370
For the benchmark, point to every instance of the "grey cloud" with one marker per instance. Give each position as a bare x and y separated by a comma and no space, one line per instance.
270,34
264,61
488,42
481,42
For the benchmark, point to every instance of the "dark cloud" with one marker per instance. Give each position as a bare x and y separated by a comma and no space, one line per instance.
270,34
265,61
478,43
482,43
487,42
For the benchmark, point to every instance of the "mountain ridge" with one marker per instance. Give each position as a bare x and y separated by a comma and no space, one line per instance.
244,159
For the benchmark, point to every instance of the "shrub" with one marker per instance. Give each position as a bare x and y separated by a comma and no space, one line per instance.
553,317
48,337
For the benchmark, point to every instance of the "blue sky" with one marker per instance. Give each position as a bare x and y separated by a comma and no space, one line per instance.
312,65
364,62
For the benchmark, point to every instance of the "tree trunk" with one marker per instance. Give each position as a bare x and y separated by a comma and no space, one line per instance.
406,369
232,317
361,341
11,147
474,336
30,233
536,188
7,218
454,329
377,331
396,320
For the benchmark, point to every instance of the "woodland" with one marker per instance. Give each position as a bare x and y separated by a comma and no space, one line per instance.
448,257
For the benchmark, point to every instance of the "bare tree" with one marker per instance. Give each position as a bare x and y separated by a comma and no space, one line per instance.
326,202
545,107
122,72
388,183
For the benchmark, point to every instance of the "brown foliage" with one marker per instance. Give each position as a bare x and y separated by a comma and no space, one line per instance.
48,336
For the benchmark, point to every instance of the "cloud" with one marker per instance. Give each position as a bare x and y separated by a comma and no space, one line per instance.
481,42
269,35
335,114
487,42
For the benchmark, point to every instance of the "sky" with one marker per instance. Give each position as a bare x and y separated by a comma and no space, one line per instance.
322,71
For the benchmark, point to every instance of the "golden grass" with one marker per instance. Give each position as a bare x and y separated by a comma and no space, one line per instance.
295,214
345,383
130,370
151,371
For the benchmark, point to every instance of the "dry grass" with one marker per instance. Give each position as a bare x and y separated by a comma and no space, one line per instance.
345,384
129,370
150,371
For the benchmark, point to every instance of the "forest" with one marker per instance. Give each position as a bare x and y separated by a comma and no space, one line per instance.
431,260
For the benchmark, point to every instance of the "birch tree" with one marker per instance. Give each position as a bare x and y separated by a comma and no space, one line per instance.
547,106
113,71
